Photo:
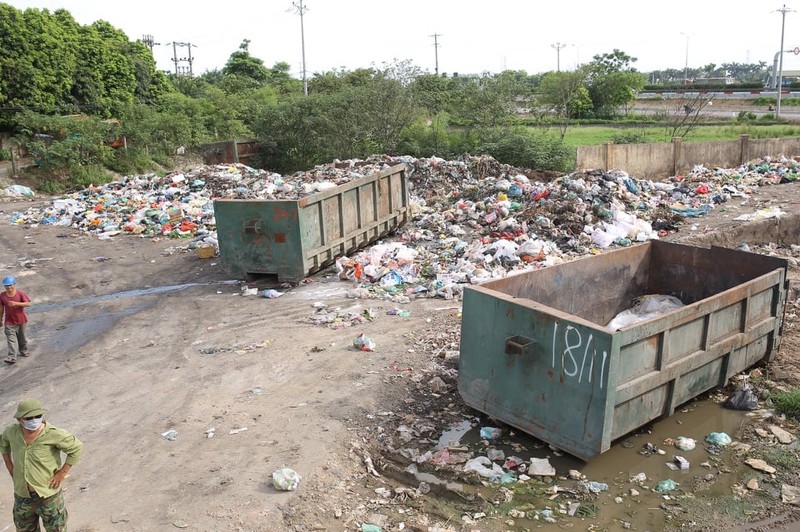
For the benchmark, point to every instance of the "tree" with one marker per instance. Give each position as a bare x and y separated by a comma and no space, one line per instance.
613,82
565,95
242,64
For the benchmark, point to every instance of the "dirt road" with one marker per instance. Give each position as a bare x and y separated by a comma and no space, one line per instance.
134,337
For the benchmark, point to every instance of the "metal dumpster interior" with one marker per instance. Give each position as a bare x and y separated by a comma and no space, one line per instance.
535,352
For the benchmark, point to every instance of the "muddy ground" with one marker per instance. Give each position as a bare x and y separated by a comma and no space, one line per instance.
134,337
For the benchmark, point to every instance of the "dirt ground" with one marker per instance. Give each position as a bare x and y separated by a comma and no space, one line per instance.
133,337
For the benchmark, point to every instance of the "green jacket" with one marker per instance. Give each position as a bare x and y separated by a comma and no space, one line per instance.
35,464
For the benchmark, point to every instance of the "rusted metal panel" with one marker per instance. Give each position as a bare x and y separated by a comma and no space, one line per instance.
230,152
292,239
535,352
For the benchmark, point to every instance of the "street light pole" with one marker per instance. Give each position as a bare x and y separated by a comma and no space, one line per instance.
783,12
558,46
686,62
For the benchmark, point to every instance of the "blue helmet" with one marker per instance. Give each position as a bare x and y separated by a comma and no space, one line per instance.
8,280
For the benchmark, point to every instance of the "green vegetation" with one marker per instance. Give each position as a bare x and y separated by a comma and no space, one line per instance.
590,135
787,403
85,103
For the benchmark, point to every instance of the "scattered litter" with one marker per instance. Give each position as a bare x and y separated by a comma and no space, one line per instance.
170,435
237,431
685,444
490,433
718,439
742,399
541,467
595,487
364,343
666,486
210,432
285,479
269,293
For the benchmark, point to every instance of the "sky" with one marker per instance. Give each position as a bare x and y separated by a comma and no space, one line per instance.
473,36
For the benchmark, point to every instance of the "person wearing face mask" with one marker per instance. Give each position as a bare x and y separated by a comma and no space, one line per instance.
32,450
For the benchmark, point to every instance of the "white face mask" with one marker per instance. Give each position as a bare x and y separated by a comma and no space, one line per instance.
32,424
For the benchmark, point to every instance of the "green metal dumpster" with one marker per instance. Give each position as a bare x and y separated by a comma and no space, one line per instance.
290,239
536,354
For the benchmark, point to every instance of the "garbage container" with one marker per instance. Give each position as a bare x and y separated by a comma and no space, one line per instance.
290,239
536,352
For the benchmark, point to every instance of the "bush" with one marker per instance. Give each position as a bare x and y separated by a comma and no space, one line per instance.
630,138
5,155
746,116
525,148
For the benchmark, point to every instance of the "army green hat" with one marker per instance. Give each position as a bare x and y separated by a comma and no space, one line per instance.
29,408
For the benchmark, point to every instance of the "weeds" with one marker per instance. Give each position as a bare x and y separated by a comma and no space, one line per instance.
787,403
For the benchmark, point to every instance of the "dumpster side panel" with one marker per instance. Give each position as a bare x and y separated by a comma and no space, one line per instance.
537,371
258,237
674,358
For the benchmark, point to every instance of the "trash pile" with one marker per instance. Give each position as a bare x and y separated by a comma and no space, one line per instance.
474,218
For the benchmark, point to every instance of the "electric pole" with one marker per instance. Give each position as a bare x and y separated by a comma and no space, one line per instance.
148,41
436,49
301,10
175,59
558,47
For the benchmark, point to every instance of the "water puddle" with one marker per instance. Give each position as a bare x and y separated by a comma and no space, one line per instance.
116,296
710,474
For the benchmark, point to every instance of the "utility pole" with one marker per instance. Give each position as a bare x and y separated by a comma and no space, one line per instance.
177,60
301,10
148,41
783,12
558,46
436,49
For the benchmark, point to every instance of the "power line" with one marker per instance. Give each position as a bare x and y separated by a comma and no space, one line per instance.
436,46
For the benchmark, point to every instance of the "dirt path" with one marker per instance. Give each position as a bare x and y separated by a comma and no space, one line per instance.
135,337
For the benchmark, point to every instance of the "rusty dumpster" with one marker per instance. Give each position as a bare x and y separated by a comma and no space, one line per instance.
537,355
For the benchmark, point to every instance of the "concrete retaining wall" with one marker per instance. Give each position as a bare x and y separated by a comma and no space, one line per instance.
655,161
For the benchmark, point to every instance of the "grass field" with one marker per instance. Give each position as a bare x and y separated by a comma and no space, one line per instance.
590,135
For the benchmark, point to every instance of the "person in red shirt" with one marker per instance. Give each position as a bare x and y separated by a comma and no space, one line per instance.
12,315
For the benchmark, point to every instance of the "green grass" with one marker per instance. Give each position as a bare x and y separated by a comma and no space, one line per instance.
787,403
592,135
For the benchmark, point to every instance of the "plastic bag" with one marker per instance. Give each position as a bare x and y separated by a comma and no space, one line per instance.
742,399
685,444
286,479
666,485
364,343
484,467
645,308
720,439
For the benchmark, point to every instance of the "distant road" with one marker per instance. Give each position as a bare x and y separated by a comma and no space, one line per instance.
720,107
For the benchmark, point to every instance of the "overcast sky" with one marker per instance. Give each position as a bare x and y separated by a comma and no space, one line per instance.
474,36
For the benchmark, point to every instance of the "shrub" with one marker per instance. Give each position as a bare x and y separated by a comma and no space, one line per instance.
745,116
630,138
525,148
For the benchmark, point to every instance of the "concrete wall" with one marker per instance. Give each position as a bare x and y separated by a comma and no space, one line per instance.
655,161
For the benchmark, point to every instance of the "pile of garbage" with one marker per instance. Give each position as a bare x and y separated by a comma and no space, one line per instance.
474,218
